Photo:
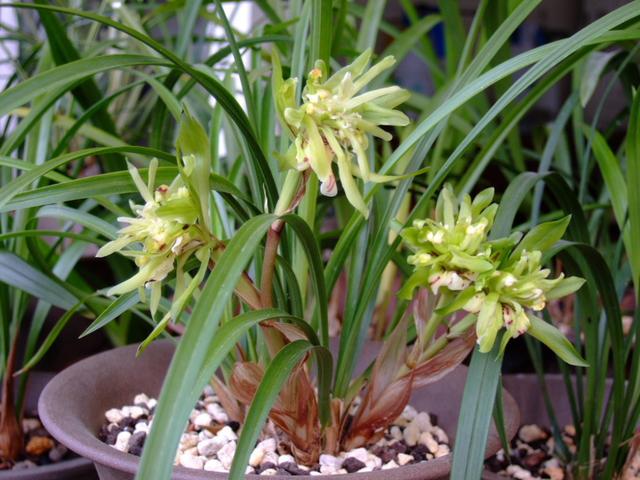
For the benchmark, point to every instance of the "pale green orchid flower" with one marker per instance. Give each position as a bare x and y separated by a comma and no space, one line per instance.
334,121
166,228
497,280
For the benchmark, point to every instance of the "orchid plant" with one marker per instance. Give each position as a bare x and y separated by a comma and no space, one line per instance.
464,290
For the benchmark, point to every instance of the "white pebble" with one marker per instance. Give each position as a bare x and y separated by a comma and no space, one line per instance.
191,451
210,446
141,398
396,433
518,472
214,466
442,451
531,433
191,461
411,434
255,459
217,412
409,412
373,460
208,391
271,457
422,421
358,453
152,403
328,469
440,434
113,415
268,472
268,445
389,465
330,461
205,434
227,433
29,424
286,459
188,440
122,441
403,458
427,439
226,453
366,469
142,427
133,411
202,420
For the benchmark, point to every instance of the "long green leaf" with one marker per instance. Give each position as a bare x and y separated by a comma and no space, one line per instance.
17,273
23,181
122,304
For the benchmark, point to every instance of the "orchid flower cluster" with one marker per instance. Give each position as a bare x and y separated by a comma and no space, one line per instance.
167,229
334,121
499,280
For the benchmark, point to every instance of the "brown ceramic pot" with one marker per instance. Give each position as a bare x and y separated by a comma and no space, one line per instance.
72,408
73,469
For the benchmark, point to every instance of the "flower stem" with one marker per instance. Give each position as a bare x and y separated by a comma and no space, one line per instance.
435,320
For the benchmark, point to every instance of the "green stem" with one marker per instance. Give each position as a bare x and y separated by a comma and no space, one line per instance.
435,321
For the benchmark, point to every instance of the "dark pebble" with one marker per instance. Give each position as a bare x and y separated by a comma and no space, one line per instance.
112,435
266,466
352,464
38,432
419,452
534,459
399,447
282,471
292,468
434,419
386,454
233,425
128,422
136,442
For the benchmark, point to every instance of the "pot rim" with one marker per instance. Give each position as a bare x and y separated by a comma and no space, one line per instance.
83,440
72,466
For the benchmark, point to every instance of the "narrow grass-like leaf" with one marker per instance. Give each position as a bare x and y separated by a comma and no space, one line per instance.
17,273
633,181
51,337
478,401
314,257
368,32
122,304
32,87
10,190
